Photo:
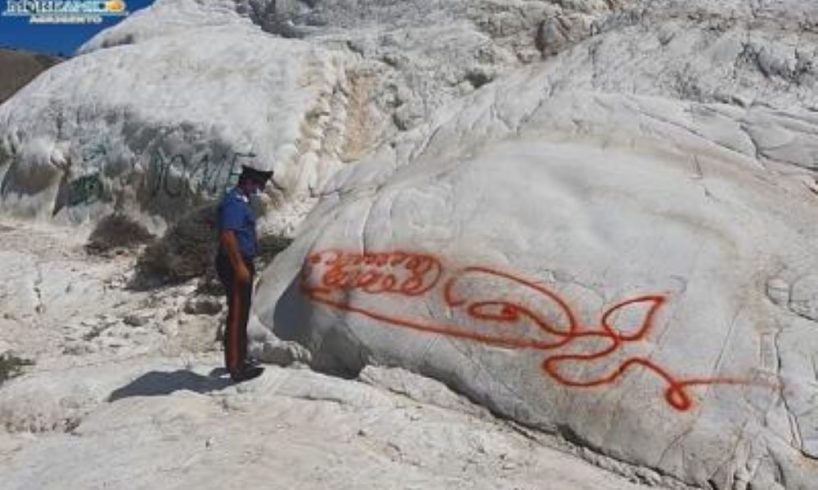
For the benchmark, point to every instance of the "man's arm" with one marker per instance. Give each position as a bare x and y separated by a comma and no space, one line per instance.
231,246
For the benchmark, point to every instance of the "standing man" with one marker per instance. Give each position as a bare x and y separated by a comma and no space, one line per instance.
234,264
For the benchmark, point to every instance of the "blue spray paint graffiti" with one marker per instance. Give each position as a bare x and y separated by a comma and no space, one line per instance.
173,175
84,190
88,188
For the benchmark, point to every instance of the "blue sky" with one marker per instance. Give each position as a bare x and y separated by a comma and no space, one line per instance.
16,32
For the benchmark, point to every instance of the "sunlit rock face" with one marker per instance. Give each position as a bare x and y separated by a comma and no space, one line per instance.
168,126
616,295
589,217
158,113
592,247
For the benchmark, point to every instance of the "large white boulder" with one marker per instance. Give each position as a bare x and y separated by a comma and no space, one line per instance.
593,251
155,127
615,245
616,296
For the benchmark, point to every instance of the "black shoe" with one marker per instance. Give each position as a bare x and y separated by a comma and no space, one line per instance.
246,373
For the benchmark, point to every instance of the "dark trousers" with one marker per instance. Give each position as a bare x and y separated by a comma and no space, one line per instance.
238,312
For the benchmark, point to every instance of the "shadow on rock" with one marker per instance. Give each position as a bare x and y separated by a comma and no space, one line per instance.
159,383
331,346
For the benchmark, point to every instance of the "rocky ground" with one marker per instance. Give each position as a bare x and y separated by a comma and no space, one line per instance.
126,391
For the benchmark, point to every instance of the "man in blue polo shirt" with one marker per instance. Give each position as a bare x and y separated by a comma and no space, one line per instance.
234,264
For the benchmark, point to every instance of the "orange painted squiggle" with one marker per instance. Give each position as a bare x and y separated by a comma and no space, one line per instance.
331,277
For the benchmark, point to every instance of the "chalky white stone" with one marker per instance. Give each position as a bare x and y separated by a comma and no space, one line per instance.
587,216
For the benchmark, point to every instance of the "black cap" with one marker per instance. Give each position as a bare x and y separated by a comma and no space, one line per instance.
249,173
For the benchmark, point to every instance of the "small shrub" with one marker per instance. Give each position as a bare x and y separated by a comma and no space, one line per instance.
184,252
117,231
11,366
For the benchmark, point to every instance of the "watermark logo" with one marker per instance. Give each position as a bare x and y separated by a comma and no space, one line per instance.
67,11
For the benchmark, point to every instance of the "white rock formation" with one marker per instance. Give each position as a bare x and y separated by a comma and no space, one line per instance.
57,301
146,128
615,296
613,244
588,246
159,112
166,425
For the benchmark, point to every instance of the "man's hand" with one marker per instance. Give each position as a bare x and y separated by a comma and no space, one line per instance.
243,274
228,240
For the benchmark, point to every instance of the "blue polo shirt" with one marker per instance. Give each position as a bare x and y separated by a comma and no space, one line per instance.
235,213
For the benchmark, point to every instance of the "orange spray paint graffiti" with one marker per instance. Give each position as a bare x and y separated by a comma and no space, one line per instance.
536,318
